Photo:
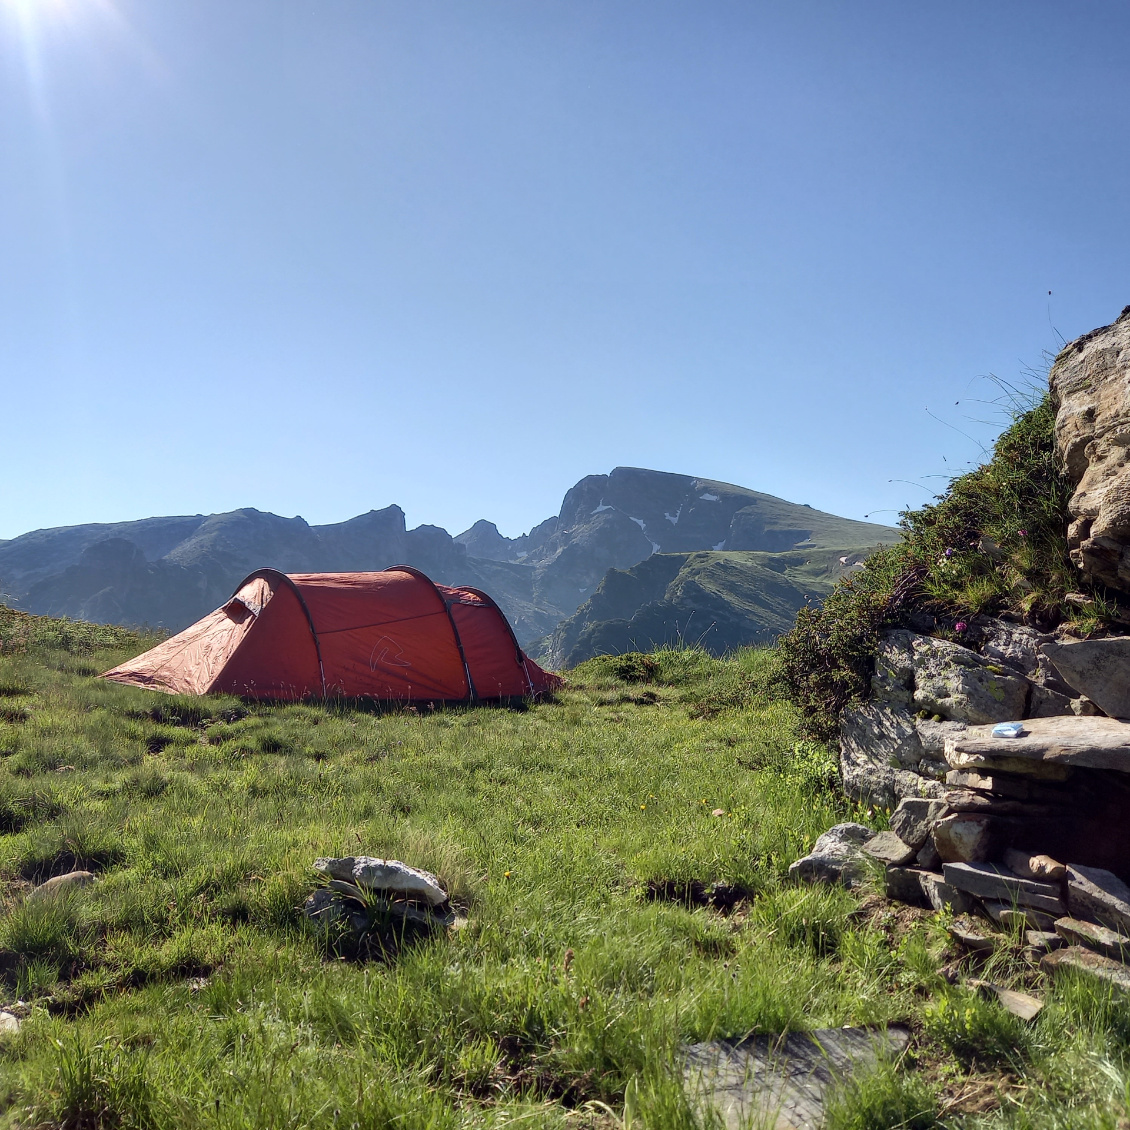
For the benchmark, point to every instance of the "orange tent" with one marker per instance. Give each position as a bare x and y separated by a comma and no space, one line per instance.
393,635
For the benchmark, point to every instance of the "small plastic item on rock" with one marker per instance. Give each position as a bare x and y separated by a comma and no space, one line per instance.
1008,730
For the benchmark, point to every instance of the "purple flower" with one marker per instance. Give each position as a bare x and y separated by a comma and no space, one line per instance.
960,626
949,552
1022,533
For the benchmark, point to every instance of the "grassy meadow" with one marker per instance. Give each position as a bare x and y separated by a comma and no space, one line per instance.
620,853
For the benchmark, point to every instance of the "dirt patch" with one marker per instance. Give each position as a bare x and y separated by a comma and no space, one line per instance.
99,859
694,892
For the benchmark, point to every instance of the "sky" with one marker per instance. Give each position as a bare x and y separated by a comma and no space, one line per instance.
317,258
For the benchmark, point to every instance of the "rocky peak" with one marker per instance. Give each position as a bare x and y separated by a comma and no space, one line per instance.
1091,382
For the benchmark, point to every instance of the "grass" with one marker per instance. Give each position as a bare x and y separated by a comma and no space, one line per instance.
581,838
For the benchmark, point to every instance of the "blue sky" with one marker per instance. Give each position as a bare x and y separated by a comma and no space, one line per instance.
320,257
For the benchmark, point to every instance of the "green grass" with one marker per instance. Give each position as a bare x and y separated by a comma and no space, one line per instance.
185,988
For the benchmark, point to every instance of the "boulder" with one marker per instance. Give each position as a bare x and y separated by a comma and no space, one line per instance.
915,817
1090,381
1097,669
1093,743
1098,895
893,681
956,683
389,875
933,736
836,857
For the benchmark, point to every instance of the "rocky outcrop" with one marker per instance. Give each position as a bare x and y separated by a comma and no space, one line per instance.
1091,383
925,691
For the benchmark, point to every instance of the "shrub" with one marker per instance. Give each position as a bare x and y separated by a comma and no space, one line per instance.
994,542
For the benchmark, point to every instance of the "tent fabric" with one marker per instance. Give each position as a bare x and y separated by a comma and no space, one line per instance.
395,635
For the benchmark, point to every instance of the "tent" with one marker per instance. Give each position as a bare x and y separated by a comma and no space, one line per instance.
393,635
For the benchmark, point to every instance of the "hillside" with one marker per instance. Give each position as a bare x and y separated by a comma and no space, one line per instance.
718,601
619,855
168,572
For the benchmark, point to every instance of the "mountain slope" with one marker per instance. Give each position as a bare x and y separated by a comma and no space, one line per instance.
718,600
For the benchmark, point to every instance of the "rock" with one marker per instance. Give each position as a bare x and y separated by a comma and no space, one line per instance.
9,1024
925,888
1089,381
875,740
1011,786
61,884
1012,645
971,939
936,770
1046,703
928,856
1098,895
914,819
933,736
888,848
384,875
1093,743
956,683
893,681
987,804
1089,963
990,882
1024,1005
1046,940
1097,669
836,857
779,1082
964,837
1018,917
1110,943
1029,866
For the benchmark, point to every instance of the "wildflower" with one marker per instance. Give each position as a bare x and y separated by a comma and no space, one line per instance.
1022,533
642,807
506,875
960,626
949,552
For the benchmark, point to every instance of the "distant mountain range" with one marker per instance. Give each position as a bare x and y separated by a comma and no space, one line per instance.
632,559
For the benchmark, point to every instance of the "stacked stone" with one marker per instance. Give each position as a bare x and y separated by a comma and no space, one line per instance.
925,690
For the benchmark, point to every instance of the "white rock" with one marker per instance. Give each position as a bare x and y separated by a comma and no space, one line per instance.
384,875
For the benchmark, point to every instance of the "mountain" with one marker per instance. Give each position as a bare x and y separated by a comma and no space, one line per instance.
689,546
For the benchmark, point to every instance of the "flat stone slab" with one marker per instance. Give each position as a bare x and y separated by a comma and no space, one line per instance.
1110,943
781,1082
1091,743
920,887
1098,895
1024,1005
1089,963
987,881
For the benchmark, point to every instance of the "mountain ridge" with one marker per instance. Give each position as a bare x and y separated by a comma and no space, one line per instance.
168,571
